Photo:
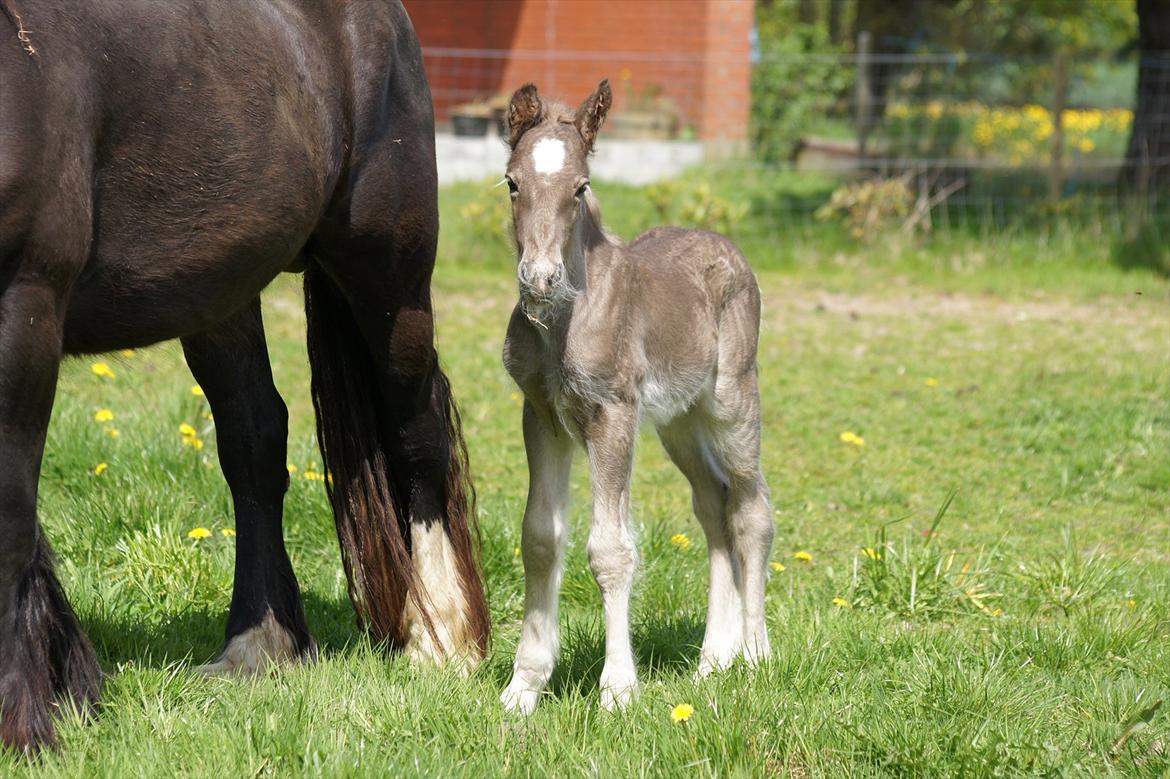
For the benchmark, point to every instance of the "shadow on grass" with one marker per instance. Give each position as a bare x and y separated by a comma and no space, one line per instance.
1145,247
197,637
668,647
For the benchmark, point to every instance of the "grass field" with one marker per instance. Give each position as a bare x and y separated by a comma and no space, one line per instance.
1028,634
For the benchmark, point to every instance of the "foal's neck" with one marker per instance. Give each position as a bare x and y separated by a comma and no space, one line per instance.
588,235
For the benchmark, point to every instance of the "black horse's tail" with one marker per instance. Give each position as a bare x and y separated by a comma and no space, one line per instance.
373,523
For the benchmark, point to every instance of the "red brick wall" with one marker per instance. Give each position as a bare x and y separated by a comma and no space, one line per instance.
696,51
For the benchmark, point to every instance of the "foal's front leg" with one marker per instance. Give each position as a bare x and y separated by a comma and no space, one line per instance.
612,554
550,456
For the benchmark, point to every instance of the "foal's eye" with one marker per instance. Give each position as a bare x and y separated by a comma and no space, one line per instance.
581,190
512,188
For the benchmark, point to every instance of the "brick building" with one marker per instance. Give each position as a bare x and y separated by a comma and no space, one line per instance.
692,57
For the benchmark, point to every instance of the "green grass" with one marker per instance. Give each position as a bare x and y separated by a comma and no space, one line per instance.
1029,634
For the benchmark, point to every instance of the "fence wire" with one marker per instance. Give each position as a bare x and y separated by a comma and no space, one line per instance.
977,138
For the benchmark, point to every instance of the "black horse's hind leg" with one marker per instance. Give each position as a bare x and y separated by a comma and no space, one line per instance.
267,619
44,655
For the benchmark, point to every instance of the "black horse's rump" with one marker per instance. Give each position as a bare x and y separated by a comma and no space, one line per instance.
161,161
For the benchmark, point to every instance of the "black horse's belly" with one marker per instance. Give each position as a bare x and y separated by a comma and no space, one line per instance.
118,306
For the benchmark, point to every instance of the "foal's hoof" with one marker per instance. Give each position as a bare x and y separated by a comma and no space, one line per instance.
251,653
617,695
710,663
519,699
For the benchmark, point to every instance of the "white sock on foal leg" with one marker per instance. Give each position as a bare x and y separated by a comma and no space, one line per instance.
723,638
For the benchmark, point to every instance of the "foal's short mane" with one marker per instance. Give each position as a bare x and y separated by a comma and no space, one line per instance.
593,230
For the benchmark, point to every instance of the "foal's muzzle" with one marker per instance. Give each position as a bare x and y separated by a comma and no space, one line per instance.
540,280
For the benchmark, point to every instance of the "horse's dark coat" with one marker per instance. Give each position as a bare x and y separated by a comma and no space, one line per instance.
161,161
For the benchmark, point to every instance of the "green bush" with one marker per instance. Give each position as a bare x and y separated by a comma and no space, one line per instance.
791,93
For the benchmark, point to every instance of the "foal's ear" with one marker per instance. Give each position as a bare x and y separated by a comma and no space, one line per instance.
591,115
524,112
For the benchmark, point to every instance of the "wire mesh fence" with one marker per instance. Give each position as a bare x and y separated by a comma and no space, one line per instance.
945,138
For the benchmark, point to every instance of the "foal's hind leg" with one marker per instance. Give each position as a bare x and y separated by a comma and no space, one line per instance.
44,655
267,621
736,440
689,445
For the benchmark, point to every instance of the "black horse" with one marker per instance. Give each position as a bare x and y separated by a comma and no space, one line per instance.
161,161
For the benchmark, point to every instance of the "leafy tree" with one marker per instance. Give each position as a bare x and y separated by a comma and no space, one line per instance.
791,92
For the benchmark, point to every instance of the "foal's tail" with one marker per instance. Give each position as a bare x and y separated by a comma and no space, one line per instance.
373,522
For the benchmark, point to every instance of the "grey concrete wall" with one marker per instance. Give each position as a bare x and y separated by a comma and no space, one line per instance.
627,161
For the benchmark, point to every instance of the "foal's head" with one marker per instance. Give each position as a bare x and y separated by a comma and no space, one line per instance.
548,175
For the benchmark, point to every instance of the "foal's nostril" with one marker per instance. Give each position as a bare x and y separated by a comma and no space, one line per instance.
540,278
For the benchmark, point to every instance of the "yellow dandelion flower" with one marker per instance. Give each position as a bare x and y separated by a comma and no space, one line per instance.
1086,145
103,415
198,533
840,602
681,712
113,432
932,382
872,553
803,556
778,566
1131,603
196,390
849,437
311,475
100,468
329,479
291,468
517,398
197,443
681,541
228,532
127,353
102,369
187,431
516,552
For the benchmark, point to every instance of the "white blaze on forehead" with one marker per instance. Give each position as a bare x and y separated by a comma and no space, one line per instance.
548,156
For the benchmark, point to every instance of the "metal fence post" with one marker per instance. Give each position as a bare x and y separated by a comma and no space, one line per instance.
864,95
1059,97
